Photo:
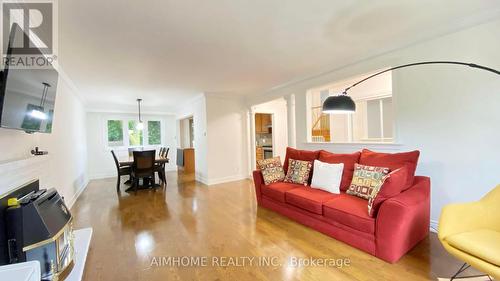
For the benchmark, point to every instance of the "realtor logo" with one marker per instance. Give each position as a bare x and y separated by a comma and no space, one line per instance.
28,33
35,20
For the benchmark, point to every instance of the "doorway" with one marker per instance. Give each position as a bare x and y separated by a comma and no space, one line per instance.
186,153
268,129
263,136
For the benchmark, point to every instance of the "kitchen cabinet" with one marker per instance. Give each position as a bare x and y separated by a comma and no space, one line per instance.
263,123
259,153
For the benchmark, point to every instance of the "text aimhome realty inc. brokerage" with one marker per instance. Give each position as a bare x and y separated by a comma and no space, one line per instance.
243,261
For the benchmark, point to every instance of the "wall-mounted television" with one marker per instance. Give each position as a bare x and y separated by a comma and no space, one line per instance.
27,93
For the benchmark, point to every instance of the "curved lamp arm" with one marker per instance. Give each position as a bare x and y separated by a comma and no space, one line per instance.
344,104
473,65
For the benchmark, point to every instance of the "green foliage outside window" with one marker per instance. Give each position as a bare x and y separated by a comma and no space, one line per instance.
134,135
154,132
115,132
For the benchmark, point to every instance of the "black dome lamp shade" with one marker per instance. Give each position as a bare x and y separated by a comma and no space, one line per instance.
344,104
339,104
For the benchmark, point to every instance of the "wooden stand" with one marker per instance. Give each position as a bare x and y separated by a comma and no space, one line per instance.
185,159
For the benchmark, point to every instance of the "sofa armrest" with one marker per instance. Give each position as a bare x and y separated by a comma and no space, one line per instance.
403,221
258,181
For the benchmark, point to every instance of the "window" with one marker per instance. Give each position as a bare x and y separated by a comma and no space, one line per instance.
115,133
135,136
124,133
154,132
372,122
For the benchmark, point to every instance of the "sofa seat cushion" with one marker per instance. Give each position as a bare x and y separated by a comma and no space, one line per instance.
309,199
277,190
482,243
350,211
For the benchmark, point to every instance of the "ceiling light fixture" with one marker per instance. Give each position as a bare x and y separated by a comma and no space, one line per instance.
344,104
140,125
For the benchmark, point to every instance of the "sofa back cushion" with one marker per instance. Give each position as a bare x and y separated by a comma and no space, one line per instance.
393,161
393,185
347,159
304,155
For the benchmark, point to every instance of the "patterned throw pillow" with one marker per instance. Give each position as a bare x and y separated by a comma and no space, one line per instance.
298,171
271,170
393,184
367,180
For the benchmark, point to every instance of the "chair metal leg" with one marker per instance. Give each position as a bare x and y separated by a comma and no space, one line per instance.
463,268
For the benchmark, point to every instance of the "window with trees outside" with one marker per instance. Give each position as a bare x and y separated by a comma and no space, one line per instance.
154,132
124,133
135,136
115,133
373,121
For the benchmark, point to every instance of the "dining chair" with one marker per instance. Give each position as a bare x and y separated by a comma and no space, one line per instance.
132,149
122,171
160,168
162,150
143,167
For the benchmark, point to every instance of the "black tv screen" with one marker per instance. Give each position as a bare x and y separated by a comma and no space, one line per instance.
27,93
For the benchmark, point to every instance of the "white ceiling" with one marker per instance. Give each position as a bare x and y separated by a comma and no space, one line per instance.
167,51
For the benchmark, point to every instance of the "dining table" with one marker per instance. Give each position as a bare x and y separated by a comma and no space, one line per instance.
128,160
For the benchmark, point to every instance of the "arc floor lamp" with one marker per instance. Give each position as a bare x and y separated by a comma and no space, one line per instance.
344,104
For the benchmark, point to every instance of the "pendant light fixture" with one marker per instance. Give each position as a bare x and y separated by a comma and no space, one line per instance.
344,104
39,113
140,125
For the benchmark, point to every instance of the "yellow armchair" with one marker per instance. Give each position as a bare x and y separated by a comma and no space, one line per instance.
471,233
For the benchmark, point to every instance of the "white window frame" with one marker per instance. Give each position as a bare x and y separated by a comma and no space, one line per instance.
126,140
366,140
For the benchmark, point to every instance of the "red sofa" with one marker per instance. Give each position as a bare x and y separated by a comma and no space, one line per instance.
399,224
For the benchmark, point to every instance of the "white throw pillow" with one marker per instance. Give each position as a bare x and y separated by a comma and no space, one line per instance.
327,176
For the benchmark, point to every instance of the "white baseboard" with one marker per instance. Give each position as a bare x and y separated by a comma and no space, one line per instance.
99,176
201,178
434,226
207,181
226,179
78,193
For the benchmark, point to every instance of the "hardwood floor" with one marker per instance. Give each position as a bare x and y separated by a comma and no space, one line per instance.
135,234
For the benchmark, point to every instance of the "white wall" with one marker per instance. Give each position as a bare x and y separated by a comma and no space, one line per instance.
278,108
65,167
450,113
16,144
227,139
220,137
100,160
